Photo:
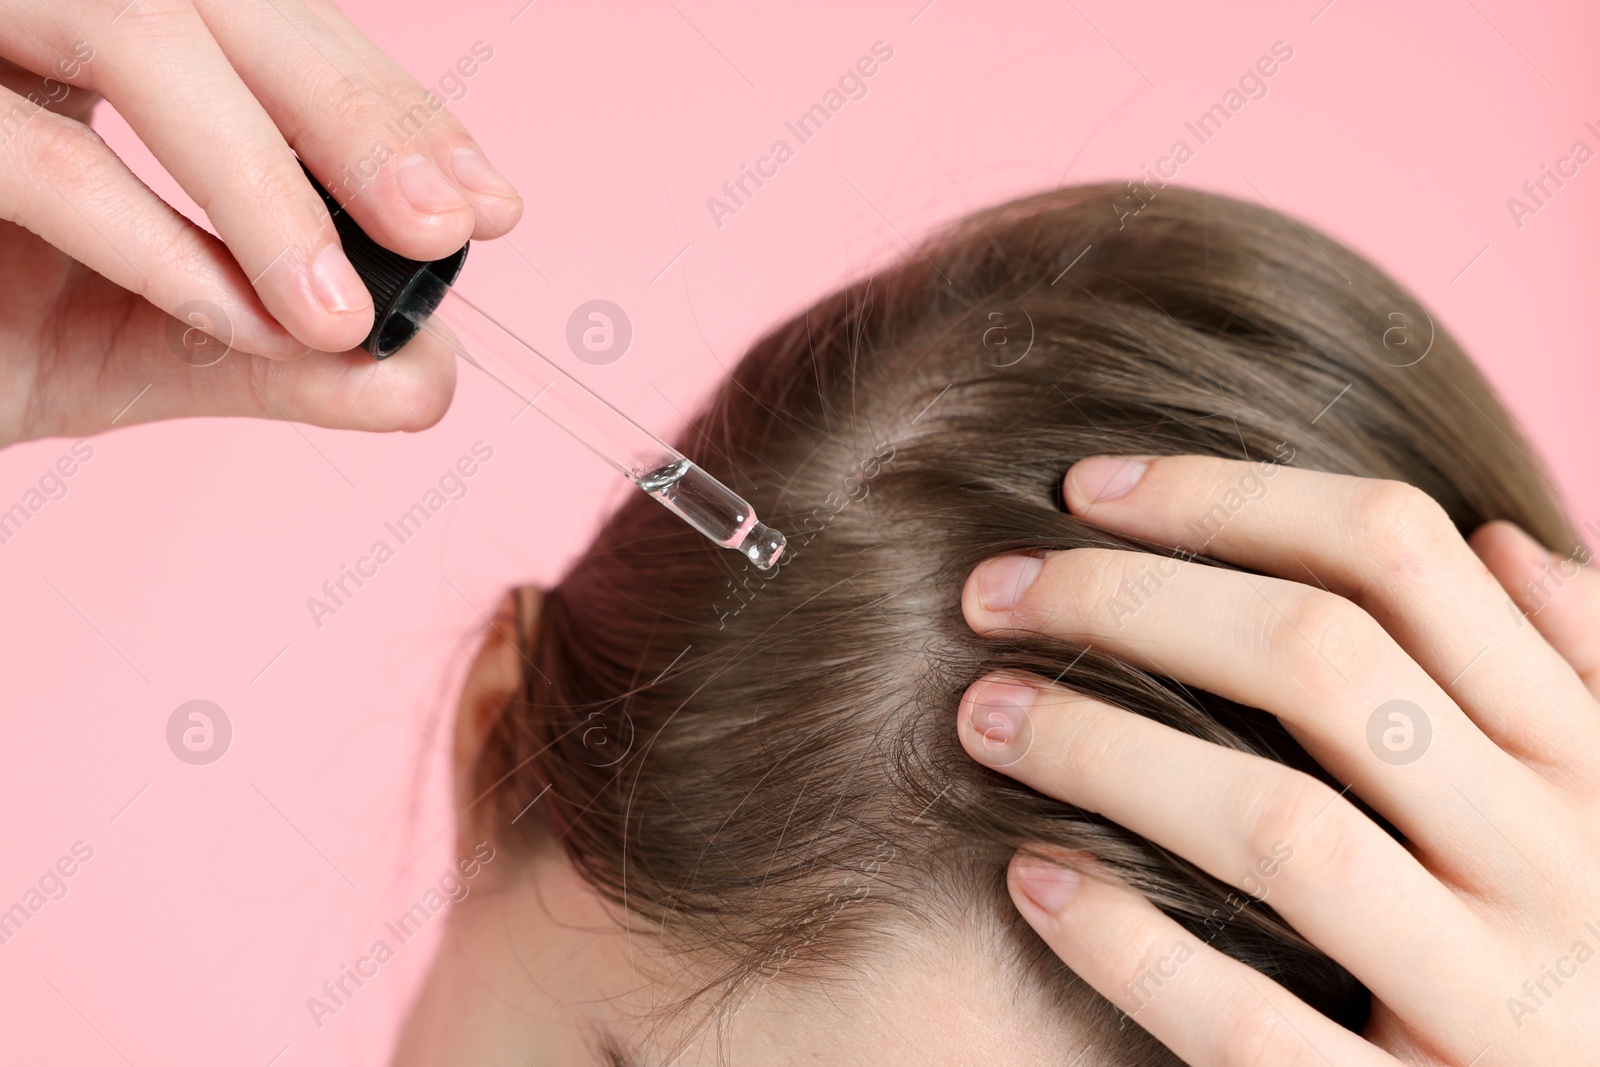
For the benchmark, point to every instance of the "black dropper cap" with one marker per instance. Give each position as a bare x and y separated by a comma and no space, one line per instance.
398,297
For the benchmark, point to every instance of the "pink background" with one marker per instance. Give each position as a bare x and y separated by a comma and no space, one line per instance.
179,564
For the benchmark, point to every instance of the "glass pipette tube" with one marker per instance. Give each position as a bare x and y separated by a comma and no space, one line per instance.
442,316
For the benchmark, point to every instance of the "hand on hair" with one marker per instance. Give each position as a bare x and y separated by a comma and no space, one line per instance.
1389,649
224,94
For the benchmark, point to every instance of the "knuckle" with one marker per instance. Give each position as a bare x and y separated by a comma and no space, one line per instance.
261,377
1148,945
147,15
63,147
359,105
184,250
1399,525
272,183
1256,1034
418,106
1091,744
176,256
1322,642
1088,583
1304,833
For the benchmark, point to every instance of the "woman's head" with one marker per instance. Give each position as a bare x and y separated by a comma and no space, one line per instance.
753,779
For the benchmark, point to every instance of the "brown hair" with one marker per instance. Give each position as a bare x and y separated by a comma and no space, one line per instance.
764,766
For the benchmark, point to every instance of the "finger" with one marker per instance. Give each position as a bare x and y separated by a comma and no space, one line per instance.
498,205
1383,544
1318,662
1271,831
222,147
1561,597
53,90
1208,1008
141,381
363,143
59,180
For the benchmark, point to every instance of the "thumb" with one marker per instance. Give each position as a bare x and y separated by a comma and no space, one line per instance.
143,373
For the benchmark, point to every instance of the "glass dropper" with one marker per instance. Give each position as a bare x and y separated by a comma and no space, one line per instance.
415,304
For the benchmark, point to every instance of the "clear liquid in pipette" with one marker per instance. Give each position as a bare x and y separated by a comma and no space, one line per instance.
710,507
687,491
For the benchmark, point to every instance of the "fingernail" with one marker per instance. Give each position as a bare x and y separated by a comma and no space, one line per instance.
425,187
1046,884
474,172
337,285
999,716
1004,580
1102,478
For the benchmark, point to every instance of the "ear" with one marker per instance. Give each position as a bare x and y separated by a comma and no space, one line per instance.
492,680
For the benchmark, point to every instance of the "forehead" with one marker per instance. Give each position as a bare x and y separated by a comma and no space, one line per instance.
571,979
912,1005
